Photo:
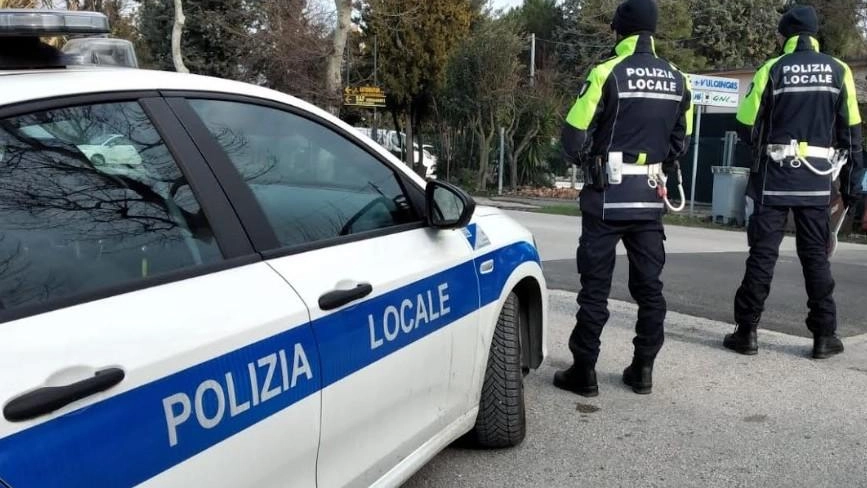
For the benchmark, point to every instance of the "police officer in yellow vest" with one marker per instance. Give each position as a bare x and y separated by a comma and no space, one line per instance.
630,123
801,114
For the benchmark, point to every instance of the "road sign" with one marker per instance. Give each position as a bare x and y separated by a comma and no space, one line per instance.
715,99
709,91
715,91
364,96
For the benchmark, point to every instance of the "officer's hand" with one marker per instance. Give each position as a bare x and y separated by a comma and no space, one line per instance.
849,200
670,168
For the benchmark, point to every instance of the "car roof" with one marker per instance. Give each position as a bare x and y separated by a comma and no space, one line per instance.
25,85
17,86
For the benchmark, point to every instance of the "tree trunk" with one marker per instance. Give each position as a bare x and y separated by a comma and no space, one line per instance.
518,151
409,157
177,31
396,119
422,169
513,170
333,79
484,155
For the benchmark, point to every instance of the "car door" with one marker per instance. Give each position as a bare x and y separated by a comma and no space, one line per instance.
385,293
142,340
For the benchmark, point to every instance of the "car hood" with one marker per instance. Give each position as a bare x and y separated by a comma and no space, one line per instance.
485,211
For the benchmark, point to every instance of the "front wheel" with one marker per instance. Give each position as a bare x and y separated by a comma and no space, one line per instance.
502,416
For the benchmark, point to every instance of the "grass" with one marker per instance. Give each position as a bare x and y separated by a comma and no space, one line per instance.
680,219
671,219
568,210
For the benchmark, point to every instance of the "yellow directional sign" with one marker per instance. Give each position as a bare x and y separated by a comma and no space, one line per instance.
364,96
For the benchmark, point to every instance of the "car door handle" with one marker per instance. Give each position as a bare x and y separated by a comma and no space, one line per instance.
338,298
50,398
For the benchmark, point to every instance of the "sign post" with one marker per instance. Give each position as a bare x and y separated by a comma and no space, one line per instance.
698,111
708,91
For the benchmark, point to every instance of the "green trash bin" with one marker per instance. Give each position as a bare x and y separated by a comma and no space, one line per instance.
729,191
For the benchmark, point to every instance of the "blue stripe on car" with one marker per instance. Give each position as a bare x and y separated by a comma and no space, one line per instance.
124,440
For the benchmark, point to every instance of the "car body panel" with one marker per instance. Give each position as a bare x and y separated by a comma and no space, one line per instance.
182,335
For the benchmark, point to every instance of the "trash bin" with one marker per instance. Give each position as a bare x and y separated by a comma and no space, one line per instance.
729,189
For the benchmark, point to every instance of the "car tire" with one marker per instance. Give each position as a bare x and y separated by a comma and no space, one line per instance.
501,421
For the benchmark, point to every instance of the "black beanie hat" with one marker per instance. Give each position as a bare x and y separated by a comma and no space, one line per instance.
635,16
799,20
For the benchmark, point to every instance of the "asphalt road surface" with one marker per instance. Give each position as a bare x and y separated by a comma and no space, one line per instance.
715,418
704,268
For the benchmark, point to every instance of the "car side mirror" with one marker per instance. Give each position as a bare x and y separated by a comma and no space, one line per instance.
448,207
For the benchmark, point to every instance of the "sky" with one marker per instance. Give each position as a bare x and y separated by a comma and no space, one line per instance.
506,3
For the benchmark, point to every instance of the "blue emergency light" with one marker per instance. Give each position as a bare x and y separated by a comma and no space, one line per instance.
102,51
49,23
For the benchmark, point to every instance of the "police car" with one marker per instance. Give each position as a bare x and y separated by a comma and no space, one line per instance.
242,292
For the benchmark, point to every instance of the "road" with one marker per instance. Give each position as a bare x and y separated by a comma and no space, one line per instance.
715,419
703,270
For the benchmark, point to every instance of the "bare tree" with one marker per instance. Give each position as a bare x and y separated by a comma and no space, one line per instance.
333,80
294,48
177,31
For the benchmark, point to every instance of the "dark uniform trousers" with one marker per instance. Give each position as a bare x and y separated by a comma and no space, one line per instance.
643,240
765,233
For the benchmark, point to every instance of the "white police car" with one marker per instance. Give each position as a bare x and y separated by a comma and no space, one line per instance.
258,296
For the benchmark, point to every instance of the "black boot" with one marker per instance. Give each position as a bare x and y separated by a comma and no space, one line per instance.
639,375
578,379
743,340
826,346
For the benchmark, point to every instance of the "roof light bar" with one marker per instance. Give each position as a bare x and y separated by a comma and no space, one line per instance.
48,23
100,51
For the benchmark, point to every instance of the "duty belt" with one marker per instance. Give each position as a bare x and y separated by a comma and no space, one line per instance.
798,152
641,169
657,179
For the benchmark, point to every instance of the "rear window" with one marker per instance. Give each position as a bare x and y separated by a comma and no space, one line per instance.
91,198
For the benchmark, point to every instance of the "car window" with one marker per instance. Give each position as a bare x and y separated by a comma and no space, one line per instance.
312,183
77,214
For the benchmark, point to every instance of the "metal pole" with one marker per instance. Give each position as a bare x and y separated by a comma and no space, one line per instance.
375,131
533,59
696,137
502,152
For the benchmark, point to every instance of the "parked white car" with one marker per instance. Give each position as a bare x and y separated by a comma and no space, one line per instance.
394,142
268,299
111,150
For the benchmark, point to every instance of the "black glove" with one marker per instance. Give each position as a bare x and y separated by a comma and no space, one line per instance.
570,159
849,201
670,168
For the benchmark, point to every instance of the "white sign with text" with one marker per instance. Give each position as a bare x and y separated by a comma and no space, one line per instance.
715,91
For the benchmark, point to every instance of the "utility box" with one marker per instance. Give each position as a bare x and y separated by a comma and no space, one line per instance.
729,188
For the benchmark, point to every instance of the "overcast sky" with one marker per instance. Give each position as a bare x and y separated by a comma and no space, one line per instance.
506,3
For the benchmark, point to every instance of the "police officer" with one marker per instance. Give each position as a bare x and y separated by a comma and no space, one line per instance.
800,108
633,114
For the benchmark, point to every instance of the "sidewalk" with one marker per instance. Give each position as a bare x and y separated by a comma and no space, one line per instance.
515,202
